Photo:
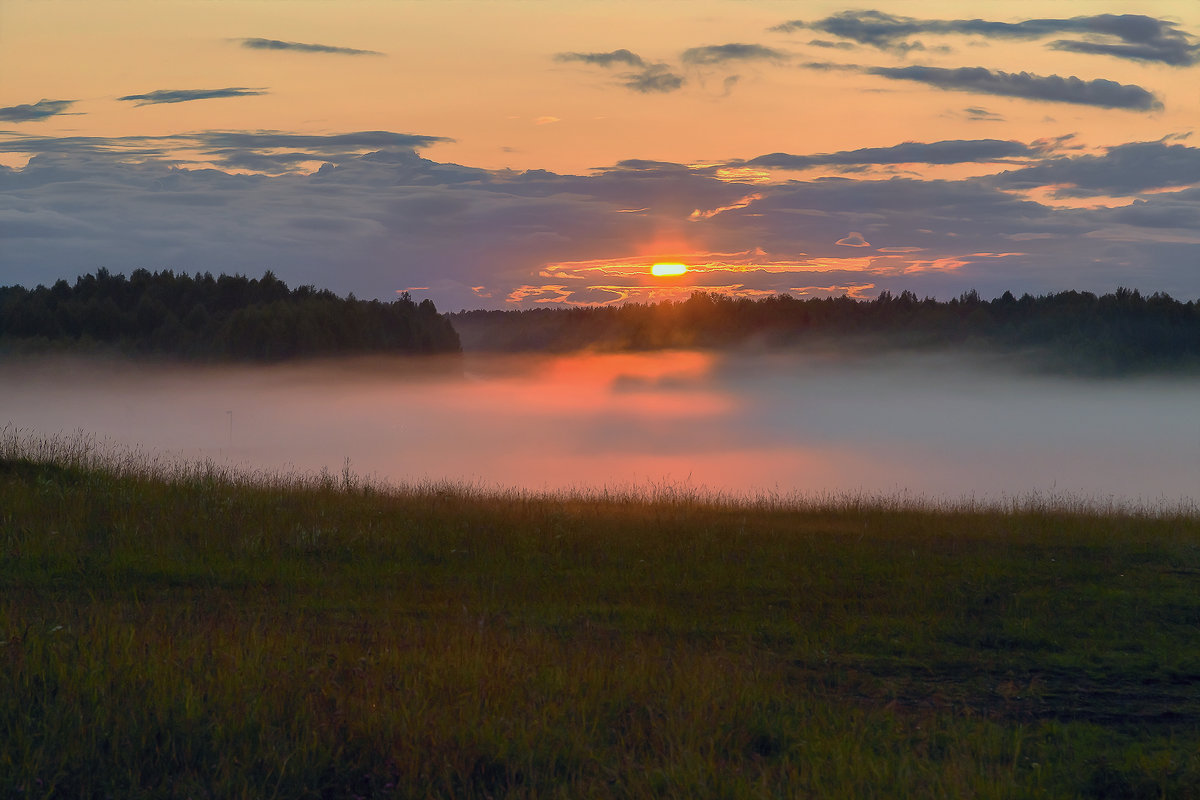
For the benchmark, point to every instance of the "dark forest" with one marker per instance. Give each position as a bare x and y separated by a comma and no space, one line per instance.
1124,331
200,317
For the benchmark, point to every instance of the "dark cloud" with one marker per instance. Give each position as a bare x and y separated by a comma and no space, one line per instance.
656,78
621,56
264,151
1123,170
187,95
648,165
30,112
721,53
832,45
961,151
300,47
978,114
334,143
1130,36
829,66
1159,214
1140,38
1183,56
1049,88
649,79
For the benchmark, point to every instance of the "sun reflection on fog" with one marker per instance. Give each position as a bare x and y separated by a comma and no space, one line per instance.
933,425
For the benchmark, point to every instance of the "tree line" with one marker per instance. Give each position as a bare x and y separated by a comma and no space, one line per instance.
1079,331
199,317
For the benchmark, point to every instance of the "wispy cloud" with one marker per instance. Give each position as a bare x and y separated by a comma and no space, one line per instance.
957,151
648,79
656,78
340,142
979,114
31,112
302,47
722,53
187,95
1130,36
1049,88
608,59
268,152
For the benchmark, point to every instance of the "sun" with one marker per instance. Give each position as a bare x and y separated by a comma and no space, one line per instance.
661,270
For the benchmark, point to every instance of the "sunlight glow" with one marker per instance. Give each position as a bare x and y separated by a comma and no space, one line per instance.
661,270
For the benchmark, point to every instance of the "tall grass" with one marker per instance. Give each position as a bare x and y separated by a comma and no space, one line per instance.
175,629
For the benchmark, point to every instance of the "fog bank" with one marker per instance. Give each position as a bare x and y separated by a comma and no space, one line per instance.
929,426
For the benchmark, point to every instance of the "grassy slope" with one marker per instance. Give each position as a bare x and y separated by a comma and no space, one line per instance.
189,632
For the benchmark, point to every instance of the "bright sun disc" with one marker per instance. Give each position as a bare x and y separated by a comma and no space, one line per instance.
668,269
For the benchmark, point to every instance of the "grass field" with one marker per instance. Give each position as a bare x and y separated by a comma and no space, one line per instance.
189,631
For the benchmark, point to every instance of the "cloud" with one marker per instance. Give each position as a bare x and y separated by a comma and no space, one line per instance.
300,47
1048,88
1159,213
621,56
378,217
979,114
333,142
832,45
722,53
1142,39
649,79
1130,36
260,151
947,152
656,78
1121,171
853,239
187,95
829,66
30,112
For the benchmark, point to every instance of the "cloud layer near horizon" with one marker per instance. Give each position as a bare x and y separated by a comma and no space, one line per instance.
378,218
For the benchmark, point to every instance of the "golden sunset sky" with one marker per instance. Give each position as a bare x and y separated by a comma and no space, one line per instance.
514,152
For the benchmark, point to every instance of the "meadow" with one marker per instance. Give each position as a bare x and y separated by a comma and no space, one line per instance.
172,629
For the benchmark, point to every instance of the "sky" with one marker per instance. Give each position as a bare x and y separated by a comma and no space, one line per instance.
517,153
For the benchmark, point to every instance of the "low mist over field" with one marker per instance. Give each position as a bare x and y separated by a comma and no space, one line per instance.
932,426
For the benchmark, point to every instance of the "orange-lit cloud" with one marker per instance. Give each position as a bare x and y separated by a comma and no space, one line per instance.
748,274
857,291
699,264
1062,195
604,295
743,175
539,294
948,264
853,239
699,214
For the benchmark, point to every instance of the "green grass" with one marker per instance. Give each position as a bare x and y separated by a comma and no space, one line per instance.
186,630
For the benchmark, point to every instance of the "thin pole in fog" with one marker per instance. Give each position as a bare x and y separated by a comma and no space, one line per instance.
230,413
